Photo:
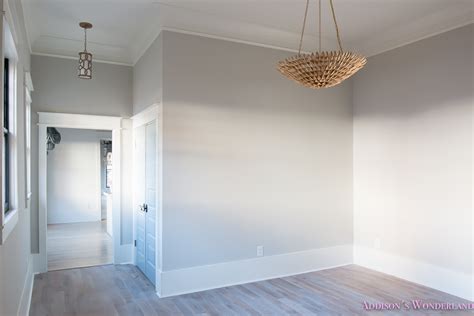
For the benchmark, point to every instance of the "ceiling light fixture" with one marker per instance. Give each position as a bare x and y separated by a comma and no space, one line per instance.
84,71
321,69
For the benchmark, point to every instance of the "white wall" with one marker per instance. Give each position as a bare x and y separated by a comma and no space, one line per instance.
413,162
74,177
250,158
147,77
57,89
15,257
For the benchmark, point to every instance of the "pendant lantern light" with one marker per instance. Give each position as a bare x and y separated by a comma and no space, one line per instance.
321,69
84,71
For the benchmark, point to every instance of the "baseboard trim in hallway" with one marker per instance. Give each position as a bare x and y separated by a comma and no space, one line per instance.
25,300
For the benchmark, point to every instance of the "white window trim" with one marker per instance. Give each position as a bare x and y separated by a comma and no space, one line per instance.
8,221
28,89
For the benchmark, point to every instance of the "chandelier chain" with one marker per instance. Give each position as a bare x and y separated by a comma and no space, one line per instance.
85,39
335,24
319,29
319,25
304,24
321,69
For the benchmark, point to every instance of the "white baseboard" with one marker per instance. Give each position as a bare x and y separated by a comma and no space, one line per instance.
25,300
40,263
436,277
195,279
158,283
124,254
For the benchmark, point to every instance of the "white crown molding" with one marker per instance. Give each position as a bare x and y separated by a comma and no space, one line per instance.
206,35
210,25
76,58
420,39
414,32
230,39
27,34
252,43
370,53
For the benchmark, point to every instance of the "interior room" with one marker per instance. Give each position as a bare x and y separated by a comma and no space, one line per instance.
79,188
288,157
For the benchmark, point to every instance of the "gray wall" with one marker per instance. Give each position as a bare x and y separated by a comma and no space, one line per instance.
413,151
250,158
147,77
57,89
15,255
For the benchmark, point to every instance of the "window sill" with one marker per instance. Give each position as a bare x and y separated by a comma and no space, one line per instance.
11,219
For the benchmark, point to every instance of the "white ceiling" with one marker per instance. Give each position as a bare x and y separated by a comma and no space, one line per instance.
123,29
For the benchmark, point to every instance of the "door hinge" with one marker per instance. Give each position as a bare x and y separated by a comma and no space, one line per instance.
135,242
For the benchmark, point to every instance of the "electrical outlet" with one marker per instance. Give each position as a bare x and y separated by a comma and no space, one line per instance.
259,251
377,243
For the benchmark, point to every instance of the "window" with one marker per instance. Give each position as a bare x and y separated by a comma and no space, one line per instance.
6,165
9,174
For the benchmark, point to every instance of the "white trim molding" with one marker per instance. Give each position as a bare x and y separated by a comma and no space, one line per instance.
201,278
25,300
80,121
29,81
121,141
146,116
436,277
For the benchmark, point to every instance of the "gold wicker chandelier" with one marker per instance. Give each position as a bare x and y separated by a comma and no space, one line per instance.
322,69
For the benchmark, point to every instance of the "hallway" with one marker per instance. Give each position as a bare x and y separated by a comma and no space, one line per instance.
78,245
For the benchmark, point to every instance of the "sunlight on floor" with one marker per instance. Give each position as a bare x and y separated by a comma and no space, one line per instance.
78,245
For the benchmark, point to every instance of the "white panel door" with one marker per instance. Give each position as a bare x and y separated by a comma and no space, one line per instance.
140,215
150,201
145,193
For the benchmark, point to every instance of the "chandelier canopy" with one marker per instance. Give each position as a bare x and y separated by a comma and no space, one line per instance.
321,69
84,71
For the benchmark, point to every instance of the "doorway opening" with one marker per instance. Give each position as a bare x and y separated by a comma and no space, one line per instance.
79,194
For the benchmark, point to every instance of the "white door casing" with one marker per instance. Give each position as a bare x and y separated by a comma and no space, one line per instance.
120,131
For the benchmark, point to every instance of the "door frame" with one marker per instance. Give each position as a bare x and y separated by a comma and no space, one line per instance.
152,113
80,121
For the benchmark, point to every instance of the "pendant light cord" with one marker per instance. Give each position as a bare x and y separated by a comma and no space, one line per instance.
335,24
304,24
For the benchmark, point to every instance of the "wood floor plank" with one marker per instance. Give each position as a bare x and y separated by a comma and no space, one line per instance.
123,290
78,245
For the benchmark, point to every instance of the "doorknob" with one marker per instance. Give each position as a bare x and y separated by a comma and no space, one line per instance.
143,207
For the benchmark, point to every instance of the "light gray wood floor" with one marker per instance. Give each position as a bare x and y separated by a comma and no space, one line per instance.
78,245
123,290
